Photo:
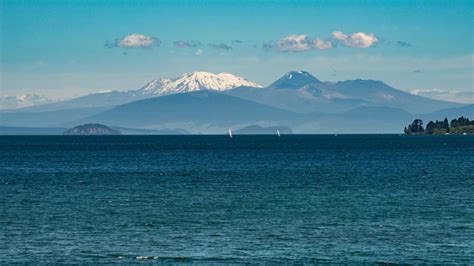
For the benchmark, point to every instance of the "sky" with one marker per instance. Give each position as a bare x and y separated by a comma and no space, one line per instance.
63,49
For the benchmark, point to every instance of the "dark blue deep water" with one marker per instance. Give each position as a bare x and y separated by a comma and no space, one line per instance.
250,199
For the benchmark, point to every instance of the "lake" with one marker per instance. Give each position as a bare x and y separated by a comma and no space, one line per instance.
249,199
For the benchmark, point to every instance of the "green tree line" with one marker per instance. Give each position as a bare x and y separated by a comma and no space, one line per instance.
456,126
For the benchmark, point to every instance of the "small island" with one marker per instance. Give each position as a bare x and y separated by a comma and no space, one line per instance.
92,129
462,125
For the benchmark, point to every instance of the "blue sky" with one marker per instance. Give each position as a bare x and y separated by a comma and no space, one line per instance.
63,49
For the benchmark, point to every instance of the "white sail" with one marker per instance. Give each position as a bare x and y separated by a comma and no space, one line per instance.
278,132
230,133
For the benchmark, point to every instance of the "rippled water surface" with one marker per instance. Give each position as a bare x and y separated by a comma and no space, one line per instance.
308,199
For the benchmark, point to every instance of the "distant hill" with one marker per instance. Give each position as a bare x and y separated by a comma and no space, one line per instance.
259,130
203,111
307,99
466,111
377,93
141,131
92,129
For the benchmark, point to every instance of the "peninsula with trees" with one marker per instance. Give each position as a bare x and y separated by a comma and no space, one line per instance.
462,125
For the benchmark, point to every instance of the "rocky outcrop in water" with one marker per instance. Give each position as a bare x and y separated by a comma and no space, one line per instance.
92,129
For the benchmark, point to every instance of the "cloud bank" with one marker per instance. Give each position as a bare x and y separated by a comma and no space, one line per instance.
293,43
466,97
303,42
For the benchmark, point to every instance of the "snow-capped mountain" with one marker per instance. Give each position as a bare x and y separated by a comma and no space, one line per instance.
195,81
188,82
13,102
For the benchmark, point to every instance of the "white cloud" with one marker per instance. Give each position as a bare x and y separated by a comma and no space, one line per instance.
199,52
356,40
295,43
446,95
301,43
137,40
134,41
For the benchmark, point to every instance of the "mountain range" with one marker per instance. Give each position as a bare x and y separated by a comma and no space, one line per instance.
299,91
202,102
187,82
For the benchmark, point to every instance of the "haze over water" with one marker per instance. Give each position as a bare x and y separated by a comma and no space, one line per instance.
346,198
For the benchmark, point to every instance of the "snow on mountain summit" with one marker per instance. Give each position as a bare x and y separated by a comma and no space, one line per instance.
195,81
294,79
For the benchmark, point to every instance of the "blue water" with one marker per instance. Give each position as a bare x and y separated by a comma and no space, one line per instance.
250,199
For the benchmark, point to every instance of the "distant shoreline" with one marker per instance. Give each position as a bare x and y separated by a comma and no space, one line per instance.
239,135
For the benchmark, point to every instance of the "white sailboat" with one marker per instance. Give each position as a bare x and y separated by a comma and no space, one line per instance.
278,132
230,133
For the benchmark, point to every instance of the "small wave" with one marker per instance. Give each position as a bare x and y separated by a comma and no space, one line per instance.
147,257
